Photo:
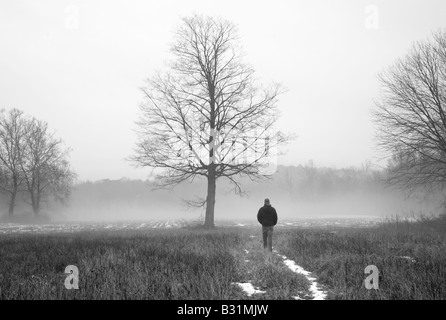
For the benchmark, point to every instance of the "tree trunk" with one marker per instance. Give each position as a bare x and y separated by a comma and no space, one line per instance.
13,197
35,204
210,199
36,210
12,203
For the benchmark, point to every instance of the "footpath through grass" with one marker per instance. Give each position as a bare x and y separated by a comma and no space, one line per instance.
267,272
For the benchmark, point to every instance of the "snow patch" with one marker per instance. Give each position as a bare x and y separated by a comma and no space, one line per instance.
314,289
248,288
407,258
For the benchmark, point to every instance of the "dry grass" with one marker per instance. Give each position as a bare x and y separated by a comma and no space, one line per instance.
194,263
340,257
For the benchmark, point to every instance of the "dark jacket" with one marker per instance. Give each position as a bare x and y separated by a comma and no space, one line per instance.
267,216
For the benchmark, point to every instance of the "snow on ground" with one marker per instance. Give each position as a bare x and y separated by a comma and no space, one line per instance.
407,258
317,293
14,228
248,288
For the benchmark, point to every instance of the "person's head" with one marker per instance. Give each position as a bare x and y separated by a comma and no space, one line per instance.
267,203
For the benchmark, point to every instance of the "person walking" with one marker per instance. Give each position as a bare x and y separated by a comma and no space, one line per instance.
267,217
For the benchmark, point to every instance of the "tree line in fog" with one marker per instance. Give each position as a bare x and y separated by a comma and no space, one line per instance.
301,182
34,166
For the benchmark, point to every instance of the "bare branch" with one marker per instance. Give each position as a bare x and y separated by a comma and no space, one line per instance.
410,116
206,116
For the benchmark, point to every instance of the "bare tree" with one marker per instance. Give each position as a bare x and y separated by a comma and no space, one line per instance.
205,116
411,115
12,133
45,166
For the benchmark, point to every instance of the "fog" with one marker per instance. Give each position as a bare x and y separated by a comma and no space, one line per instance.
299,192
79,66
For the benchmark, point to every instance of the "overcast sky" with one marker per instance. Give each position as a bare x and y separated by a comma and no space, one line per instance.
79,65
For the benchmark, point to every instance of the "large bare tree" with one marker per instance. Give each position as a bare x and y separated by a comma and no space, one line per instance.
205,116
411,115
12,136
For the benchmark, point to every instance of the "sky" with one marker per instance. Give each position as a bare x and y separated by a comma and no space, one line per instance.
79,65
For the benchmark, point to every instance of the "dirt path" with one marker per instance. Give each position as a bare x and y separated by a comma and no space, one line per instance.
258,261
315,290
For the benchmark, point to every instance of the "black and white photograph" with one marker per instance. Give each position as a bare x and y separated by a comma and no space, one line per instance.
222,157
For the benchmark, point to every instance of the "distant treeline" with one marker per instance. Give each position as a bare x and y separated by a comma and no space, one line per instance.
296,182
303,190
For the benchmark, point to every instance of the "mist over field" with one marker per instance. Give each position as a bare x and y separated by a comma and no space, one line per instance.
302,192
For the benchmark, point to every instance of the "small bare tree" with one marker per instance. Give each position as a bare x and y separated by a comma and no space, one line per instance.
12,134
205,117
411,116
44,165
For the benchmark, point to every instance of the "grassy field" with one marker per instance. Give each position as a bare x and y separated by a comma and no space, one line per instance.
160,264
192,263
410,257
